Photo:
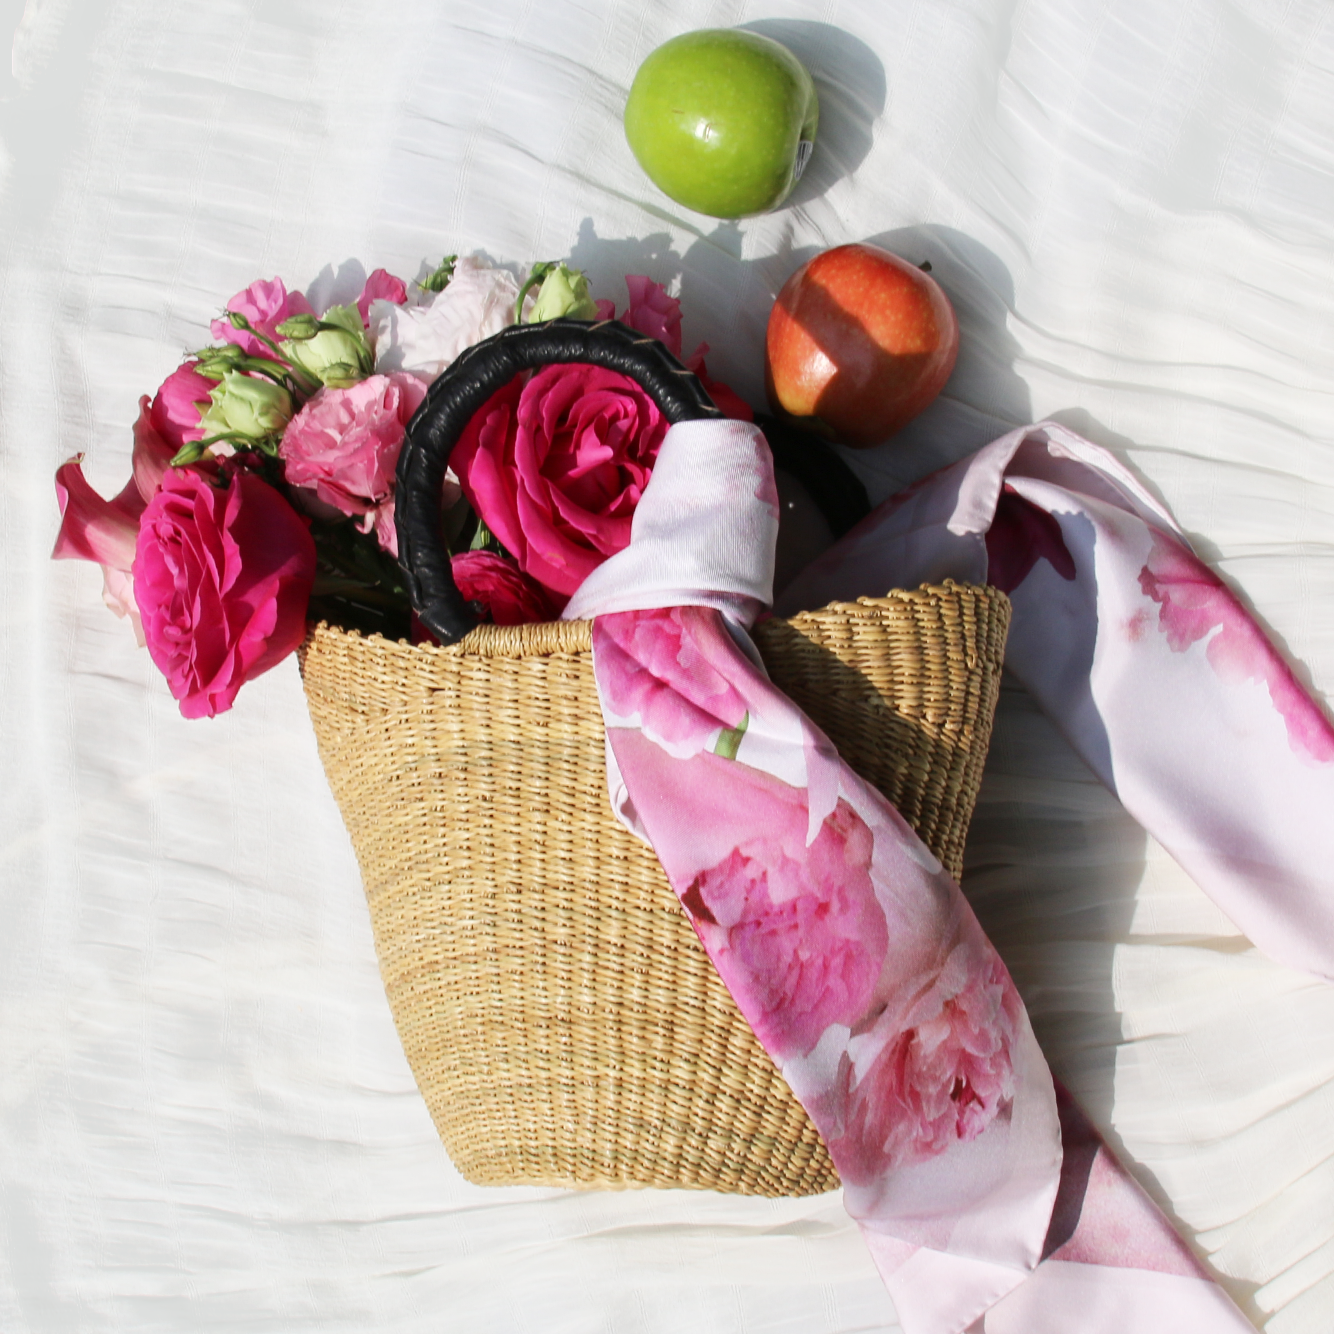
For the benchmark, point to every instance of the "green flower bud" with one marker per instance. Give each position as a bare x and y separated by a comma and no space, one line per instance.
247,406
564,291
332,349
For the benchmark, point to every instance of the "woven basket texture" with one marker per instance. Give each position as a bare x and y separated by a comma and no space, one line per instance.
562,1021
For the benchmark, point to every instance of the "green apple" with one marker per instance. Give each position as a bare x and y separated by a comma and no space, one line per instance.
722,121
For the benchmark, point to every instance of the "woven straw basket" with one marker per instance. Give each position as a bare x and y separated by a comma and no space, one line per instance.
562,1021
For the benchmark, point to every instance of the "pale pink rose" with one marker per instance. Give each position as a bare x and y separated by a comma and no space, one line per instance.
555,467
105,531
183,397
795,931
423,340
940,1076
266,305
344,446
506,594
663,665
381,286
222,577
1193,602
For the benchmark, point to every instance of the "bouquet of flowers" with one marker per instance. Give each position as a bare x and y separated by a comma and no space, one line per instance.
262,495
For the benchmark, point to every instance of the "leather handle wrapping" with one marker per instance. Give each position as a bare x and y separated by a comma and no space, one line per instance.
487,367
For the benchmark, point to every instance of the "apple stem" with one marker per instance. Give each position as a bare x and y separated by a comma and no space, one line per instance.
925,266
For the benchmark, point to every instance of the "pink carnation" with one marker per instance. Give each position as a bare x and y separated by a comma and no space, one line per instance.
266,305
940,1077
555,467
222,577
344,445
507,595
795,931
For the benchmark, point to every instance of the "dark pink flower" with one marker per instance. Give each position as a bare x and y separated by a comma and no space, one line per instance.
344,445
266,305
508,596
795,930
943,1073
555,467
182,398
105,531
222,576
380,286
1193,602
664,666
653,312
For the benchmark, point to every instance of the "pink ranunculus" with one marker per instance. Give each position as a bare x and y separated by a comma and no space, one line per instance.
105,531
555,467
659,665
183,397
344,445
508,596
381,286
796,932
266,305
222,577
940,1075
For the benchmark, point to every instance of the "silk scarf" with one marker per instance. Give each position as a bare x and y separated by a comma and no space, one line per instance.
987,1200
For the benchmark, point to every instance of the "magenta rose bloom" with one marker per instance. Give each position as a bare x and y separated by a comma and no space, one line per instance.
222,576
344,446
183,397
555,467
507,595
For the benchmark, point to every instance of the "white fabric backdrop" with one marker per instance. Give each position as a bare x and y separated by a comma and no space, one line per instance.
206,1122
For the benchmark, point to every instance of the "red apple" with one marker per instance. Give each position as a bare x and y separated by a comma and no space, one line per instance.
859,342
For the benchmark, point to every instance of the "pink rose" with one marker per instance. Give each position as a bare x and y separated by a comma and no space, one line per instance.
796,932
105,531
941,1076
222,576
663,666
179,403
344,445
266,305
508,596
555,467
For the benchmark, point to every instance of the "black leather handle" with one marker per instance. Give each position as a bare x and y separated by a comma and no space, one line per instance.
462,389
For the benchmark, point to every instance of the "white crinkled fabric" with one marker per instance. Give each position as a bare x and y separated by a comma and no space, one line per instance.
206,1121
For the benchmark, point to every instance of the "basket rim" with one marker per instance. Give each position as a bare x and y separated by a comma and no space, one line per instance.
556,637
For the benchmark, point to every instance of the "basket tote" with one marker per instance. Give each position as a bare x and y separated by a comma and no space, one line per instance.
562,1021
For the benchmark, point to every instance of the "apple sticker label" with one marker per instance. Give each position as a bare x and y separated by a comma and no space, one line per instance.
804,150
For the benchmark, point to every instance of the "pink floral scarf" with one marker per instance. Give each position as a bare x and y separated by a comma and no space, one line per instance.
987,1200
